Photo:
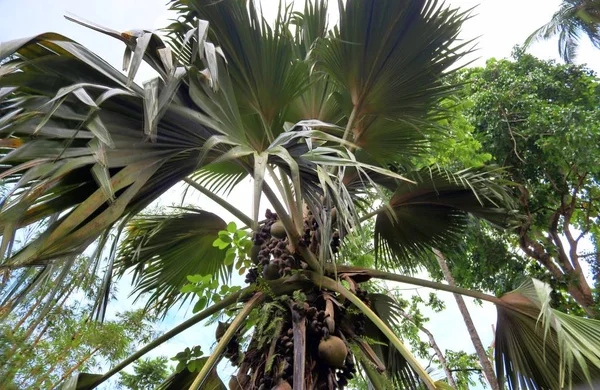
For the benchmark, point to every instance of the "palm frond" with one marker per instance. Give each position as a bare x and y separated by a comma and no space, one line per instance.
541,347
569,22
79,381
261,61
220,177
397,368
88,160
434,211
388,57
162,250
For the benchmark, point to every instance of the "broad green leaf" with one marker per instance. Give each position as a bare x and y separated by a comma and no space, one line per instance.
200,305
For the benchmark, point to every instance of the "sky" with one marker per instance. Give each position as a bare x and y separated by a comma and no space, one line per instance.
497,25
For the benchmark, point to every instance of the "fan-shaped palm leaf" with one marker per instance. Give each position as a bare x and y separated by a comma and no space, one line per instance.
265,75
375,58
162,250
88,156
397,368
540,347
432,212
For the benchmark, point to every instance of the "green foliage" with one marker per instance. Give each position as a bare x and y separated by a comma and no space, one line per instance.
465,369
458,148
238,247
163,249
65,342
208,289
538,119
147,374
190,359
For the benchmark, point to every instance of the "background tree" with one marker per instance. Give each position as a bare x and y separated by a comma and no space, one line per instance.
573,19
538,119
147,374
46,338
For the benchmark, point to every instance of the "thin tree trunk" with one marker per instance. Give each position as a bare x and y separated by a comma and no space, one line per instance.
436,349
28,314
75,367
59,360
486,365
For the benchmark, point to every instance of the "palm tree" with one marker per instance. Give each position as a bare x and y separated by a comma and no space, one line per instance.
573,19
323,120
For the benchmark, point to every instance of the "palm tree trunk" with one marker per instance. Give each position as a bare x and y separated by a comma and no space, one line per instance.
75,367
436,349
486,365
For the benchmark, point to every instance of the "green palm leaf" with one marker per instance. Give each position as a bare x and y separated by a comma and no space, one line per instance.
261,61
435,210
91,163
540,347
397,368
388,58
162,250
573,19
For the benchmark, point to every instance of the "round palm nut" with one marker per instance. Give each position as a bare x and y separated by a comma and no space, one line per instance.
333,351
271,272
277,230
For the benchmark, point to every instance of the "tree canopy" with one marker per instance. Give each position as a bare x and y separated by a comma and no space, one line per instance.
540,119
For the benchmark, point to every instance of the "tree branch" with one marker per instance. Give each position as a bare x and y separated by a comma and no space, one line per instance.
435,347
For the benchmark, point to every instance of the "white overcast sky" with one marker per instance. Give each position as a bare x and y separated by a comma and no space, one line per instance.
499,24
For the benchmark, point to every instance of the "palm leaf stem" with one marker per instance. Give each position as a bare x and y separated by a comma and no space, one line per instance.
372,214
423,283
295,205
223,304
214,358
288,200
350,122
220,201
332,285
374,376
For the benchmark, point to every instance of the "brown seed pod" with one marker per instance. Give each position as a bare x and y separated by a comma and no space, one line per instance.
278,230
333,351
271,272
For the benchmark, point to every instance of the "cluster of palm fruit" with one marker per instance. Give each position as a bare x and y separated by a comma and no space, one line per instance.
328,322
270,251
